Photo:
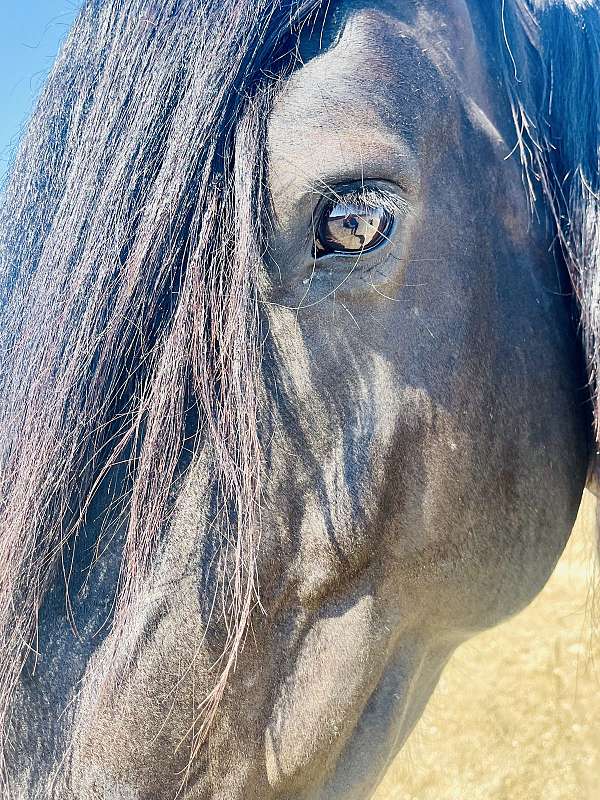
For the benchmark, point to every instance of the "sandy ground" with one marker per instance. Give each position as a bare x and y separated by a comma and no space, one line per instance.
516,715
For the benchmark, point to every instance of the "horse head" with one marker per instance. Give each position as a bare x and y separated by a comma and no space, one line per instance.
299,299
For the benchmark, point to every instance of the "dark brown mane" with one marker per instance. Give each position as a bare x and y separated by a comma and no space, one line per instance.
552,68
130,252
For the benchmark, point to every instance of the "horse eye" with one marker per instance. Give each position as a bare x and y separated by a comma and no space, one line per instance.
351,228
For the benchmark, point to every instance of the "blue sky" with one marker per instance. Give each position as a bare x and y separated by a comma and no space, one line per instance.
30,35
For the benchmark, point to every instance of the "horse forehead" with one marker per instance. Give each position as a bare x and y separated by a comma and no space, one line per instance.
440,27
390,67
378,49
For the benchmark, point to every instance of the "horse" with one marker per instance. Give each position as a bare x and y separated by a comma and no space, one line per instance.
299,343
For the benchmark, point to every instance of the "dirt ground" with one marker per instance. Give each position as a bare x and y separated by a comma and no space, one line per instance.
516,715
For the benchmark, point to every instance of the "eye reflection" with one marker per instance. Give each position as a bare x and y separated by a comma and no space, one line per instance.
350,227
